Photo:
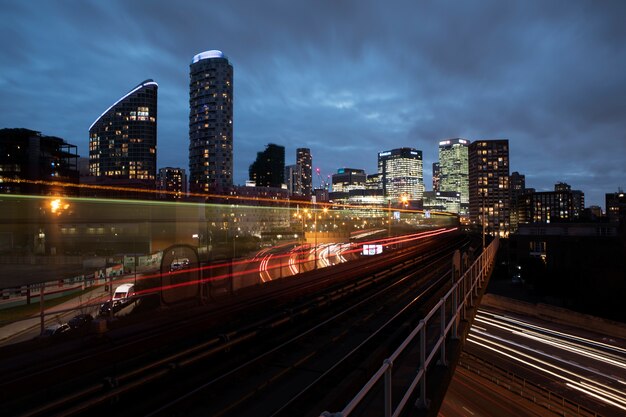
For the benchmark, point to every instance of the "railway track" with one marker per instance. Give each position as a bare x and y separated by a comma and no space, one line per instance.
219,337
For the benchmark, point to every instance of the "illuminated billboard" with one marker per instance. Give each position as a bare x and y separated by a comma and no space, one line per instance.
372,249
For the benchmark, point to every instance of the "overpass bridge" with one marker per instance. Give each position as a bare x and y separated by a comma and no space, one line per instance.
228,249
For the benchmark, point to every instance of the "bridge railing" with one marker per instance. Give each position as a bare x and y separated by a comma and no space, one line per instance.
456,301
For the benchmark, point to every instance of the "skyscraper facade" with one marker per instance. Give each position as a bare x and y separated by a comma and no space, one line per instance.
304,159
347,179
402,173
616,206
268,170
123,140
436,176
210,123
517,188
293,179
173,181
489,196
453,169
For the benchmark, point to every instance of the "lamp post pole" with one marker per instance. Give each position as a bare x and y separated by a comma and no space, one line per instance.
315,226
389,217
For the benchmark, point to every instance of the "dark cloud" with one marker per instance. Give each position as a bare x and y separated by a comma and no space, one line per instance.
347,79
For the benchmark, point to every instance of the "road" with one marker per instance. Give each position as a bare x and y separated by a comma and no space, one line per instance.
575,363
470,395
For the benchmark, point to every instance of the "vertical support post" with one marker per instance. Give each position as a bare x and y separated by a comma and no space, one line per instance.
42,291
422,402
455,312
464,293
388,380
442,333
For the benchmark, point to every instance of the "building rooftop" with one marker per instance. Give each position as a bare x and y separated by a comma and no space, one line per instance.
213,53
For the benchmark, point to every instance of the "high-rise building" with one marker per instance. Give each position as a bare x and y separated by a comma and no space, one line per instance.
304,159
293,179
616,206
453,169
578,199
402,173
268,170
517,187
174,181
436,176
489,196
28,155
210,123
123,140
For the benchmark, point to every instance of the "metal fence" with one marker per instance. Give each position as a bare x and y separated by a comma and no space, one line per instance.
461,296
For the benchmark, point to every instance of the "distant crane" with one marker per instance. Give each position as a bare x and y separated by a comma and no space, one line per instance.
323,185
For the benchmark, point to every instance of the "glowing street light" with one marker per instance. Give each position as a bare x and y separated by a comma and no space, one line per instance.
57,206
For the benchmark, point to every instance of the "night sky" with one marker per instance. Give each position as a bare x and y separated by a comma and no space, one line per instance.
347,79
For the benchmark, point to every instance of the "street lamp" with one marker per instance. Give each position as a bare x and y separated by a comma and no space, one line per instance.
315,232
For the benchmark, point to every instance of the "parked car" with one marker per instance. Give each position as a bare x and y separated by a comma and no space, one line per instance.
105,308
80,321
55,330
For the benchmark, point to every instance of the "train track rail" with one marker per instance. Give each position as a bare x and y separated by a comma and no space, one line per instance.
201,337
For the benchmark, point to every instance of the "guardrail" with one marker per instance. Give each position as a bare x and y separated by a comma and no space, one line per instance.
458,298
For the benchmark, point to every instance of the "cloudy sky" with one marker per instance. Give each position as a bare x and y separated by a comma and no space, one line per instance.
347,79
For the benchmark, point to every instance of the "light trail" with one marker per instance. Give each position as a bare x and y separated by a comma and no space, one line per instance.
552,331
568,380
555,342
588,349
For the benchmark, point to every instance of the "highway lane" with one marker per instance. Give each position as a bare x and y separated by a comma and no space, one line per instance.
581,367
470,395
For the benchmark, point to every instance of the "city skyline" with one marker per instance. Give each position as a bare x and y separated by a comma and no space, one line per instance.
347,81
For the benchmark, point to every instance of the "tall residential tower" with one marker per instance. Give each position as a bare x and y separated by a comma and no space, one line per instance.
210,123
123,140
304,159
489,196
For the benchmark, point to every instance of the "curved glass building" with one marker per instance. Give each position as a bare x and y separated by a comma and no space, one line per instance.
123,140
210,123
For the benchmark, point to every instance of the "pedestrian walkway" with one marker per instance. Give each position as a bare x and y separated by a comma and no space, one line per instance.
11,332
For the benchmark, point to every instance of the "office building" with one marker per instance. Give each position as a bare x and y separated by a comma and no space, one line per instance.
173,181
616,206
453,169
489,196
293,179
436,176
347,179
448,201
28,155
123,140
268,170
305,161
210,123
348,186
402,174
